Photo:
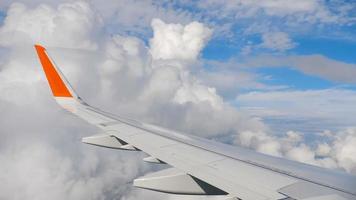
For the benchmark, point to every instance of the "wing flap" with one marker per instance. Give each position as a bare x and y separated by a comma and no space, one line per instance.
176,182
108,141
306,190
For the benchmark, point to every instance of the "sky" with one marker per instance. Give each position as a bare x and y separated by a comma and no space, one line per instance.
276,76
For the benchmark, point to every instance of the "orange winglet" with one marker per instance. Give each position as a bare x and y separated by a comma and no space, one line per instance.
57,85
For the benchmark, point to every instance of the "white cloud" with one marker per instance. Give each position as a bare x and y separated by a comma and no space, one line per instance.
174,41
343,149
198,93
335,154
171,45
302,153
69,25
260,141
39,169
163,84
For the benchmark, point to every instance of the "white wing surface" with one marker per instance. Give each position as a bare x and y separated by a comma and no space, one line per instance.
200,166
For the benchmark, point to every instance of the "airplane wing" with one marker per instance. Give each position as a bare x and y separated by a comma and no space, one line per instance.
200,166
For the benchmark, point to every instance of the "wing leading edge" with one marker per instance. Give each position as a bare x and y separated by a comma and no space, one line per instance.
200,166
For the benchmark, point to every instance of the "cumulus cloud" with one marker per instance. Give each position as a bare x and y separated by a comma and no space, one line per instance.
342,149
69,25
197,93
174,41
334,152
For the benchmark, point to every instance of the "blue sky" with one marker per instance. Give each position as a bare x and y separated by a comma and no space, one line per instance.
340,49
2,16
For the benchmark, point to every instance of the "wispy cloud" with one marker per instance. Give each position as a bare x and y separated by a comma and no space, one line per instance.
316,65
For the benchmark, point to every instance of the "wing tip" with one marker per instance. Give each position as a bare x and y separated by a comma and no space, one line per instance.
39,47
57,84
